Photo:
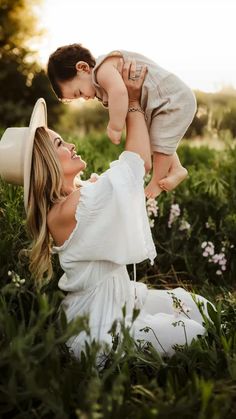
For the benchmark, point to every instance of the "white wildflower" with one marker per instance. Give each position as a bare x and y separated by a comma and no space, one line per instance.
151,223
174,214
152,210
218,259
184,225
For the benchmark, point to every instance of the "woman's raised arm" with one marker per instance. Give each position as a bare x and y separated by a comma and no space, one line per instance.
137,137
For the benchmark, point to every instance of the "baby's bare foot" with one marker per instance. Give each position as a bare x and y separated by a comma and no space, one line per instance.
175,177
152,190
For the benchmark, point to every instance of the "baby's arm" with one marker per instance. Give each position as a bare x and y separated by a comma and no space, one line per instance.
110,79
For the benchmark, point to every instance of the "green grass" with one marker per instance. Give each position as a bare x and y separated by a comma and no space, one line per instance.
39,378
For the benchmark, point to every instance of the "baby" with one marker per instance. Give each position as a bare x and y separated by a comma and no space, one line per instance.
169,105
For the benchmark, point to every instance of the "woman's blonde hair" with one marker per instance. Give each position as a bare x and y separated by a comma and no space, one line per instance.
45,190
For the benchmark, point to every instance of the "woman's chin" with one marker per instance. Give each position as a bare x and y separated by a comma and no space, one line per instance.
82,167
84,164
81,164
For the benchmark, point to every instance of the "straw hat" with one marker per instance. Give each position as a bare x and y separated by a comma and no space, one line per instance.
16,148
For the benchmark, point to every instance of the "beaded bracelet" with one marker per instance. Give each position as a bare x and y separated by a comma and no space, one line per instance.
133,109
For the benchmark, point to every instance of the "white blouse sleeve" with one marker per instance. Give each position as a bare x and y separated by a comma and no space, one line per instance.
112,221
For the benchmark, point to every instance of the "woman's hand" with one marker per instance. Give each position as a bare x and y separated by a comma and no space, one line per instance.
137,137
133,83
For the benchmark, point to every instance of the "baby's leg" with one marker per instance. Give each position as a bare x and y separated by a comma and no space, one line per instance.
167,174
177,174
161,166
168,126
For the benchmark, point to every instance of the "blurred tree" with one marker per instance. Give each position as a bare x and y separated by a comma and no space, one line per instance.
200,119
85,119
22,80
216,112
229,121
197,126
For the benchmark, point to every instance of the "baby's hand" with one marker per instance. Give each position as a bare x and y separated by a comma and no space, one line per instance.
114,135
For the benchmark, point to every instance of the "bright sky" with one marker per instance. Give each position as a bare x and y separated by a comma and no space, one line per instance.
193,38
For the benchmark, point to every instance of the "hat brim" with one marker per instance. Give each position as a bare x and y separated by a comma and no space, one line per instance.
38,119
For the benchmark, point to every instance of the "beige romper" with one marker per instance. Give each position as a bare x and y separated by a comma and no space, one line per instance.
169,104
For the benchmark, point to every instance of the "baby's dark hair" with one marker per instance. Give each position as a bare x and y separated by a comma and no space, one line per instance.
61,64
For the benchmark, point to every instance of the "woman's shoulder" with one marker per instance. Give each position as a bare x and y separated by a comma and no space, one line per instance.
65,208
61,217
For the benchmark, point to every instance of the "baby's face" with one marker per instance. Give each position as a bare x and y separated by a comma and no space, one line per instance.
80,86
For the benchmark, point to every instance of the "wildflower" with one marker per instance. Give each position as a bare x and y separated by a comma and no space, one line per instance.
208,247
151,223
152,210
15,278
183,308
218,259
210,224
145,329
210,250
181,323
178,323
179,306
184,225
174,214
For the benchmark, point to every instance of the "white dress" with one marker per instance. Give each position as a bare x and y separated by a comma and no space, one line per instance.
112,230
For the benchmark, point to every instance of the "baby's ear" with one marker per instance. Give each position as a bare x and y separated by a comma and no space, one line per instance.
82,66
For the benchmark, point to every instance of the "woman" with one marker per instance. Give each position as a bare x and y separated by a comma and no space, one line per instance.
97,229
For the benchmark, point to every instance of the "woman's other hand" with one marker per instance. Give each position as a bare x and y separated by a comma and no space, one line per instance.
137,137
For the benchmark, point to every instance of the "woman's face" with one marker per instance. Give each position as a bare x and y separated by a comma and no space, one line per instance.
71,163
